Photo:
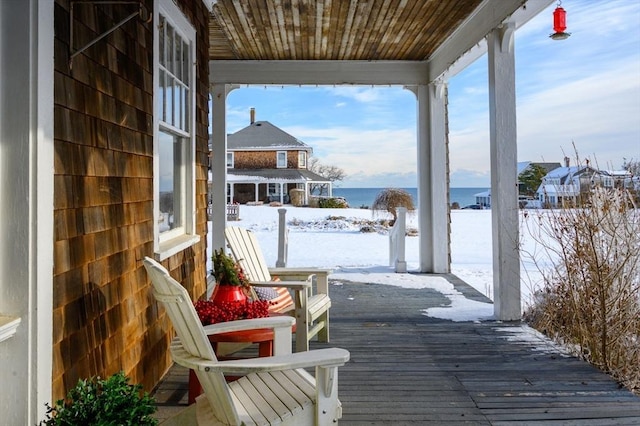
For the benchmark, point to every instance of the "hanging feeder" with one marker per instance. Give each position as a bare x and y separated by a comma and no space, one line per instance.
559,24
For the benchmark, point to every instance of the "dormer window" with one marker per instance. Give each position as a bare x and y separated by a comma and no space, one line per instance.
281,159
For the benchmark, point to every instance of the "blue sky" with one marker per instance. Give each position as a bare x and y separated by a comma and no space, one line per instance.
583,91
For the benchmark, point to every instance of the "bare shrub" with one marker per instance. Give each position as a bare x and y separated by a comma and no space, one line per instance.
390,199
590,296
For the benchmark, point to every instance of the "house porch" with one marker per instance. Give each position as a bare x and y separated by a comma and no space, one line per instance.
408,368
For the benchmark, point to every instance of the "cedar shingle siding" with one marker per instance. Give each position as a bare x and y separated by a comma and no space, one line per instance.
262,160
104,317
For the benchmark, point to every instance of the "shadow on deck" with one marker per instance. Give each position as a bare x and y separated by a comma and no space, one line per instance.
410,369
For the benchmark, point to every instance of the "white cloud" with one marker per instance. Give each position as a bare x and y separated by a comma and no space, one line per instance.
362,152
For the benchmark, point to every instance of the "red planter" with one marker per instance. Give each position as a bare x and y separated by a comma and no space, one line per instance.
228,293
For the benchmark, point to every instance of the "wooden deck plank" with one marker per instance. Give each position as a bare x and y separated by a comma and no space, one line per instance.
407,368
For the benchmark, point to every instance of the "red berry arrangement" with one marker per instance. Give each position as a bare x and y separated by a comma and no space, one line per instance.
213,313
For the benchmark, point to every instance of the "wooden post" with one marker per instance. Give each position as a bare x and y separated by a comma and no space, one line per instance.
504,184
283,243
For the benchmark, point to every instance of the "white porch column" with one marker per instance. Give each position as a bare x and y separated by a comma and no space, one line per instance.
257,191
432,178
504,187
219,94
26,209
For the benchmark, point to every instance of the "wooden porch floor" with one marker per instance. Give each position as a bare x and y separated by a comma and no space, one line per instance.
410,369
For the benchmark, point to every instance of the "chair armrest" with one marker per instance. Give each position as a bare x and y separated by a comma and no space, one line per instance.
318,357
322,275
299,271
295,285
250,324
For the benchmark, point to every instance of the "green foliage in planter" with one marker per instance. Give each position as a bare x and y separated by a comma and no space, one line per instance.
110,402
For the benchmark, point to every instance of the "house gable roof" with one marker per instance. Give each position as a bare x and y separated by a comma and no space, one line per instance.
262,135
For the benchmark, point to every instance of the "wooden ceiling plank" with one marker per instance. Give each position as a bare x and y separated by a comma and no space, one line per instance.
260,13
283,28
325,30
420,46
248,30
339,10
405,31
308,31
388,39
297,33
347,29
228,25
274,32
318,27
417,27
375,22
363,29
354,33
384,19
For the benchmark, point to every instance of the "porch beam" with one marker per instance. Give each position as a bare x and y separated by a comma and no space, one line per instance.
318,72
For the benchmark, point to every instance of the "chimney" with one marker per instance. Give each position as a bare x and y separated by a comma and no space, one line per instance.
252,113
566,161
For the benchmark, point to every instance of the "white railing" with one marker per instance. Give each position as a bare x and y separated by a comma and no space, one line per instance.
397,237
283,239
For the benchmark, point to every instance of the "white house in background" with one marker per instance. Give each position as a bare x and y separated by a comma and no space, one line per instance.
265,163
562,186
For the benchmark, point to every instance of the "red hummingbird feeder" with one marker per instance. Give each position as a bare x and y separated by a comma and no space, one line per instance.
559,24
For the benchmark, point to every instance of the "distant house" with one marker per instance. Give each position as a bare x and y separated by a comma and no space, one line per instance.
483,198
265,163
564,185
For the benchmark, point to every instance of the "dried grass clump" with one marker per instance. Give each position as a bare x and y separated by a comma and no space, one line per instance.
390,199
591,299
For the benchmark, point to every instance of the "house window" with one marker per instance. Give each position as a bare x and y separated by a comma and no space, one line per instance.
174,142
281,161
302,160
230,159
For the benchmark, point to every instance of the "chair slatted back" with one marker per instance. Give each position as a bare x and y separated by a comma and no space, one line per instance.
246,250
193,339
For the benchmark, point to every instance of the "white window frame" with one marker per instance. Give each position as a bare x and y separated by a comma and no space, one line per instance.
168,243
231,158
279,165
302,159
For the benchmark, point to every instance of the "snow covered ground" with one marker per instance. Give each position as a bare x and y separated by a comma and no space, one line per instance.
331,238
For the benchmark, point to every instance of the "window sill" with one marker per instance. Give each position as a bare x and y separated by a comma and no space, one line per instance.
8,326
175,245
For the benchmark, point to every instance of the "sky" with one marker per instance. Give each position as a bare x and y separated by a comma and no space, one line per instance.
578,98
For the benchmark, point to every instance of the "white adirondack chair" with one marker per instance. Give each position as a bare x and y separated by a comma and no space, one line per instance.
273,390
310,309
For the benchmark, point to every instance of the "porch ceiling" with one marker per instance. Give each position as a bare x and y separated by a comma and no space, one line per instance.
353,41
334,29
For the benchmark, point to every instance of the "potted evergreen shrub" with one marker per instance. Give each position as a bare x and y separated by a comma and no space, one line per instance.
103,402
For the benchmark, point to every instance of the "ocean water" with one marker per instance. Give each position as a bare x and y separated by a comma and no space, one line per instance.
359,197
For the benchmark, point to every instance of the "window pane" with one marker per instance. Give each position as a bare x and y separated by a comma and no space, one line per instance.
177,64
186,93
282,159
177,104
186,61
172,182
161,37
162,102
169,64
